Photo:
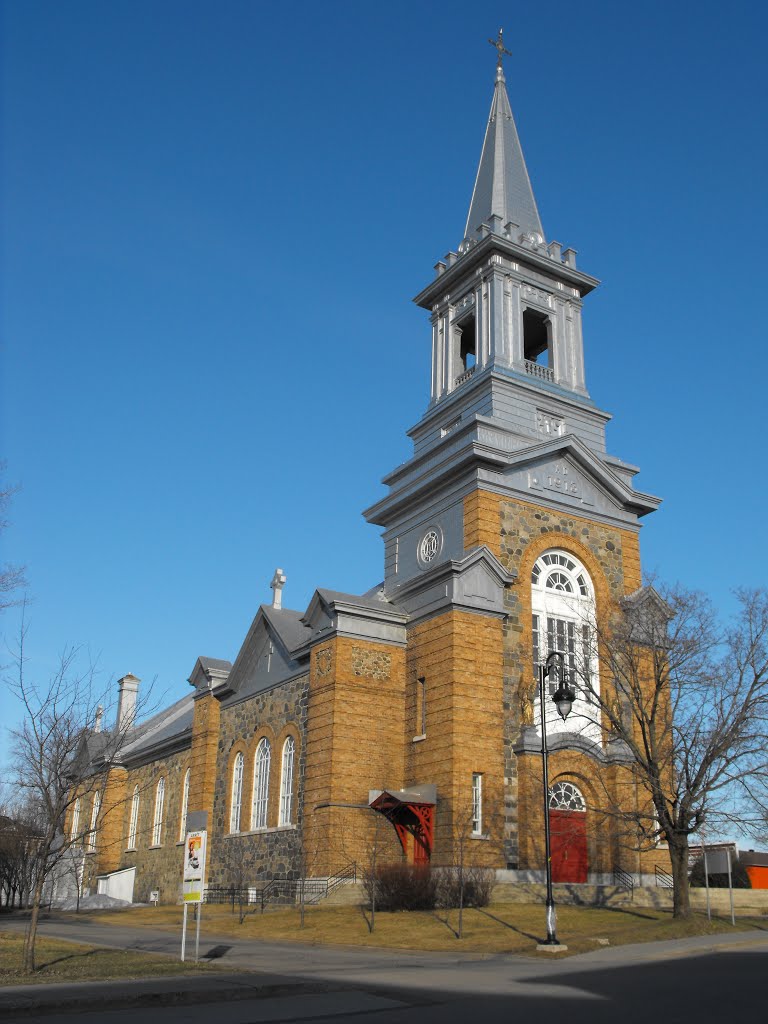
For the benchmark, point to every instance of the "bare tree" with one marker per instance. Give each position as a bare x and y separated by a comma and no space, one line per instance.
11,576
60,764
688,697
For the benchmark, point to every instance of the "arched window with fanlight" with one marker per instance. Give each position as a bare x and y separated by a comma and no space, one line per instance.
75,829
563,619
133,826
286,782
157,822
236,800
184,807
95,808
261,767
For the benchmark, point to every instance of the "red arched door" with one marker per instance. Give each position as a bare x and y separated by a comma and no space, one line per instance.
568,830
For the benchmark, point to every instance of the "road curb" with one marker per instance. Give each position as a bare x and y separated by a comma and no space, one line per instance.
25,1000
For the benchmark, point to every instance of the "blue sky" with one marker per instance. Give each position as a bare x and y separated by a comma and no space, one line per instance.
215,217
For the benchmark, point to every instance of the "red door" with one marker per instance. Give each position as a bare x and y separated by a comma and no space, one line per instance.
568,831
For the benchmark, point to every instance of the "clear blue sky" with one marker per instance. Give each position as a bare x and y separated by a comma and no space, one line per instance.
215,217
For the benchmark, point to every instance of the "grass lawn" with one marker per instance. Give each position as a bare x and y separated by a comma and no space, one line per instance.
500,928
59,960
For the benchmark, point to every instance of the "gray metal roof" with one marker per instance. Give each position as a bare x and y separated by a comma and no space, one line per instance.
360,601
215,663
502,186
160,728
290,630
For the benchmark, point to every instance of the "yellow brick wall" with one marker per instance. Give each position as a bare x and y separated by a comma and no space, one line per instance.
460,655
111,835
205,739
482,521
354,744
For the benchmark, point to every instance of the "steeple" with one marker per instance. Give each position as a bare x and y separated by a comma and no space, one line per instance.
502,187
510,418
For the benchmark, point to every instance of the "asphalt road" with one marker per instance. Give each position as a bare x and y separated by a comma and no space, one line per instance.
714,979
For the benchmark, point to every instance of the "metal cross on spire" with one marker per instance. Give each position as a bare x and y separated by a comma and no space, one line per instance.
499,45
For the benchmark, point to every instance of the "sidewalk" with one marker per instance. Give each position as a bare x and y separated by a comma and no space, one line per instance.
282,970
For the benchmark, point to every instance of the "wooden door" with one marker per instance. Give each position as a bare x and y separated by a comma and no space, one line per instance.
568,831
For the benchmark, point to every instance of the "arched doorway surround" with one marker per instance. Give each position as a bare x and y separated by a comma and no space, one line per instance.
568,827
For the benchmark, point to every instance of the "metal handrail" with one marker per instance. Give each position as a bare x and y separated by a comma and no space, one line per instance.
624,880
663,878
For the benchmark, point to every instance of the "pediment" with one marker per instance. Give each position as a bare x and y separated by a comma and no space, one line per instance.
475,583
567,471
262,661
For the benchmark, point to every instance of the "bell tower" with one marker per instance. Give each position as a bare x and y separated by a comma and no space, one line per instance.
506,299
509,413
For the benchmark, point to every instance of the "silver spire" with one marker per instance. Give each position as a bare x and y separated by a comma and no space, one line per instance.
502,186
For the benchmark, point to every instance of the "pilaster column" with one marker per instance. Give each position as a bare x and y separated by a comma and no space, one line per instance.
577,342
110,838
516,327
438,350
496,340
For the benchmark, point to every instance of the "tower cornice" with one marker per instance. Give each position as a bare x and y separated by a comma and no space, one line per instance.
493,243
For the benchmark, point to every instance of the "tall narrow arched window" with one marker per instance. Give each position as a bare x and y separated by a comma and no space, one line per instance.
563,619
133,826
157,821
286,782
261,765
75,829
95,808
184,806
236,802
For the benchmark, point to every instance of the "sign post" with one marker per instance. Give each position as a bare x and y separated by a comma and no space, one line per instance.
193,880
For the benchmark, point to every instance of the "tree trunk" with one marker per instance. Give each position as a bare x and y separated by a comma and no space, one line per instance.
31,935
678,854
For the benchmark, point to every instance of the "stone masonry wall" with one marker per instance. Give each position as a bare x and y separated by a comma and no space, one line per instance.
518,533
251,856
157,866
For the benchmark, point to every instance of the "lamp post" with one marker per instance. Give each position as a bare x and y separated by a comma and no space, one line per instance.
563,699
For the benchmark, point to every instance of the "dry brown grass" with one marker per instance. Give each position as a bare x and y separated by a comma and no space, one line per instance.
59,960
500,928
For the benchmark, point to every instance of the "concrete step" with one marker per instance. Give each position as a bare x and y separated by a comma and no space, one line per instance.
565,892
350,894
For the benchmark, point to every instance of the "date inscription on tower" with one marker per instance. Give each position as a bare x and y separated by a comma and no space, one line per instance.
560,477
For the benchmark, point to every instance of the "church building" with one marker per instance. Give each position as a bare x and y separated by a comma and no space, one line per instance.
507,533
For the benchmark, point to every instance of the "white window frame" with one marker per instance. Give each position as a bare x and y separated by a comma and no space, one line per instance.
261,765
157,821
75,820
96,808
286,781
477,803
133,826
563,618
236,795
184,807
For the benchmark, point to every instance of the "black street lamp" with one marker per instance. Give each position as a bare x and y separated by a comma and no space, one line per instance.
563,698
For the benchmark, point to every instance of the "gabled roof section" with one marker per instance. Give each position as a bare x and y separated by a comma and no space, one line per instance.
331,612
502,187
209,672
266,657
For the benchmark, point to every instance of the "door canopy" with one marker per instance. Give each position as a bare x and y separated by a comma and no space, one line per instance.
412,813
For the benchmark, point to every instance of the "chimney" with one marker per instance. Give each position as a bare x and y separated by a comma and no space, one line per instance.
126,701
97,718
